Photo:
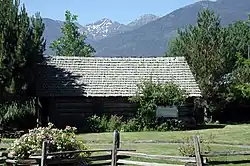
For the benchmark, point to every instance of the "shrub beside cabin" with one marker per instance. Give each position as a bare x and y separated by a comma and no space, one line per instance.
69,89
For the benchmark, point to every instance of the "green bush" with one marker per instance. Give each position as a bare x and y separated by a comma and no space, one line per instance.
104,124
131,125
169,124
187,147
114,123
98,124
150,95
12,112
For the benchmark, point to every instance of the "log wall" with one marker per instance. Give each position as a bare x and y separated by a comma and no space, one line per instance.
74,111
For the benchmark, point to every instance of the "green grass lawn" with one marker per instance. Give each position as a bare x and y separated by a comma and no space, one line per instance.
157,142
172,149
230,134
159,149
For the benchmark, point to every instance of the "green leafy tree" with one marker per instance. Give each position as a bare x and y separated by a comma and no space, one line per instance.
213,53
236,50
72,43
236,83
238,90
238,39
201,45
21,48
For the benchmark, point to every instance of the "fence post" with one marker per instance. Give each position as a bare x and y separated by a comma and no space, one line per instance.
116,144
117,139
44,155
198,157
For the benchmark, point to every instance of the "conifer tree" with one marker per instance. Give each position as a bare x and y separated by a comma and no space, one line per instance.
21,48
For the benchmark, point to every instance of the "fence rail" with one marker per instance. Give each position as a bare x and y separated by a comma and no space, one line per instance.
159,157
228,153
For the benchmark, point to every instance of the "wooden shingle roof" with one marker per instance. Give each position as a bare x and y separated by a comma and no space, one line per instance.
104,77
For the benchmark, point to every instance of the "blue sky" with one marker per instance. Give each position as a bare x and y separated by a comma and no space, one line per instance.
89,11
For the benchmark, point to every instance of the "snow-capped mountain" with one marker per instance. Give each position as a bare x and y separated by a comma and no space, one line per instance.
151,39
95,31
106,27
102,28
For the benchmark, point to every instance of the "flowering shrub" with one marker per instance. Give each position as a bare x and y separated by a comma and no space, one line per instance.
58,140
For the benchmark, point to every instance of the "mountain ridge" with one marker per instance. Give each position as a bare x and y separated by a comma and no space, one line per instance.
94,31
151,38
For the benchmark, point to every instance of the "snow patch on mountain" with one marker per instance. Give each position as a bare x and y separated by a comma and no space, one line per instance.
106,27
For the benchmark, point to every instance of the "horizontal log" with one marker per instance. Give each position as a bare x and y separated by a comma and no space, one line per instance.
159,157
129,162
38,157
74,110
229,153
9,161
25,161
124,150
52,160
3,154
91,151
125,105
74,106
62,161
3,149
72,99
2,159
87,114
79,151
91,109
77,114
99,158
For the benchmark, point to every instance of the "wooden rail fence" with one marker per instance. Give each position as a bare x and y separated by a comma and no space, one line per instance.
201,159
116,155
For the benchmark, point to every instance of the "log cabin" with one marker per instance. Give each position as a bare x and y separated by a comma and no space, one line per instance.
70,89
